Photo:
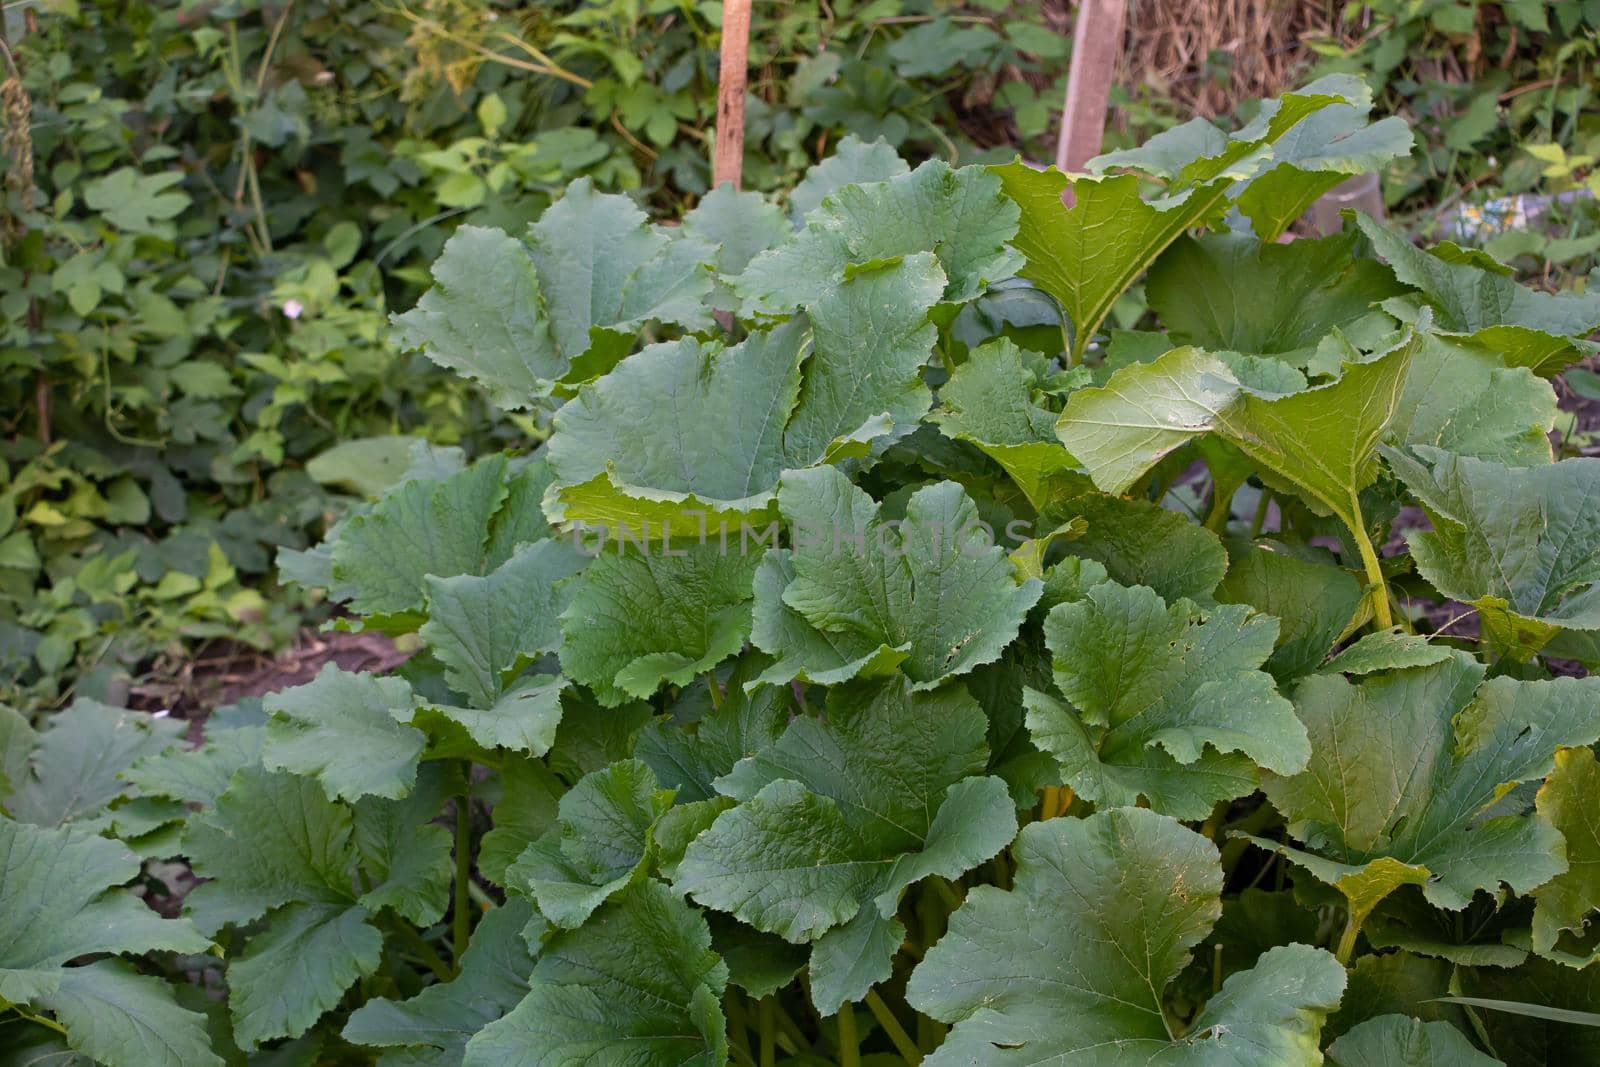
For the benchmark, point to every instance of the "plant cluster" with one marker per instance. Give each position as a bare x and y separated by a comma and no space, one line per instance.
886,660
208,210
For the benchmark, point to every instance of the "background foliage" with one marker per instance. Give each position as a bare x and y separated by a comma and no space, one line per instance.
227,199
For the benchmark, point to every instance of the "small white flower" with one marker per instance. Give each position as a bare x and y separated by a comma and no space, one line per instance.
293,308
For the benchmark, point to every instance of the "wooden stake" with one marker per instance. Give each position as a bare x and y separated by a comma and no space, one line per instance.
1096,43
727,161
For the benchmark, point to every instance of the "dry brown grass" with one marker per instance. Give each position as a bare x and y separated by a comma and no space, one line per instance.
1208,55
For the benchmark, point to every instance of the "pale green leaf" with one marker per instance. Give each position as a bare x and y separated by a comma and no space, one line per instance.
847,812
854,162
1404,772
738,224
1147,410
485,318
642,618
1521,544
960,216
347,730
598,845
480,628
638,984
1397,1041
934,587
1043,974
1162,702
1568,801
122,1018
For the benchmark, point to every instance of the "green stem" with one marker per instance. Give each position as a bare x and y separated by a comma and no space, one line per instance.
790,1037
1260,517
738,1037
423,950
1377,588
461,921
715,690
1347,940
767,1027
6,1005
892,1029
849,1044
941,889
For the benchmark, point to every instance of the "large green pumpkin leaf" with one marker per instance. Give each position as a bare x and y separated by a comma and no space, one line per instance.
639,618
59,900
485,318
1162,703
1320,152
1044,974
813,390
599,843
958,215
1405,769
1568,800
1314,603
1087,256
604,272
622,455
121,1018
839,816
1231,292
481,627
69,772
738,224
1521,544
484,629
638,984
1319,443
426,526
1465,400
1526,327
747,721
988,402
298,968
854,162
1323,441
405,855
1146,411
862,592
348,731
272,839
276,846
435,1025
1398,1041
1140,543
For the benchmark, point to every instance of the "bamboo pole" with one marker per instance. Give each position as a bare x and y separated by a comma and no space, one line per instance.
727,161
1096,43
